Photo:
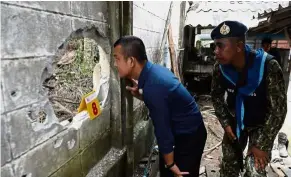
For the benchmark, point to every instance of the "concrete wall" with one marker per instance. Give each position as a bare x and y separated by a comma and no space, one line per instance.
149,20
31,33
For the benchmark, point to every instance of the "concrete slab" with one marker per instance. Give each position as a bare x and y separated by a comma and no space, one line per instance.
143,139
93,129
54,6
7,171
25,32
82,23
112,165
5,145
22,81
21,122
90,9
46,158
73,168
95,151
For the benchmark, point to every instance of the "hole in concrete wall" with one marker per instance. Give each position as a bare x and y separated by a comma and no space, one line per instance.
58,143
213,171
72,78
80,65
13,93
37,116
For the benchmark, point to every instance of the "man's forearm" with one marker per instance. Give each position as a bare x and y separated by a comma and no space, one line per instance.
169,158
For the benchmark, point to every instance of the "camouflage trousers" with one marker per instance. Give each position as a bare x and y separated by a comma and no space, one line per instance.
230,166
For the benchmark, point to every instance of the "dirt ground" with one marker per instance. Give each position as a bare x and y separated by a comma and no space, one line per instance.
212,155
212,152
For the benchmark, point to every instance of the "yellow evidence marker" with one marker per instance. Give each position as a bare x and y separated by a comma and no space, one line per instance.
91,104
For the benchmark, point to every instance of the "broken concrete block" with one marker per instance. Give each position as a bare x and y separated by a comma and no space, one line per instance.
95,151
5,146
54,6
22,81
90,10
82,23
90,130
101,76
25,122
26,32
7,171
46,158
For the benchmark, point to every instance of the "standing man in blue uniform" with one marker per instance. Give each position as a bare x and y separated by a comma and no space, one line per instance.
255,106
177,121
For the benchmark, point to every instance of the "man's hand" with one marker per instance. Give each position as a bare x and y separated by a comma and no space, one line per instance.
134,89
261,157
230,133
177,172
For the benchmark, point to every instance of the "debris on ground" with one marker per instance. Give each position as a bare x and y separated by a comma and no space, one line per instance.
72,76
212,155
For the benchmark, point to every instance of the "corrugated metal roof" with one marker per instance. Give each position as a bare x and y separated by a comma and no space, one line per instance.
214,12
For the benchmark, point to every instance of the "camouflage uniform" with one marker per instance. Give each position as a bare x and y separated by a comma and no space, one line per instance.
262,137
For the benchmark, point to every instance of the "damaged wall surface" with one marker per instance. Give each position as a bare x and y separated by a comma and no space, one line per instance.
32,33
35,140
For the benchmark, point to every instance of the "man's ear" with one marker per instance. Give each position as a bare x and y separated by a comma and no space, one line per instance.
131,61
240,46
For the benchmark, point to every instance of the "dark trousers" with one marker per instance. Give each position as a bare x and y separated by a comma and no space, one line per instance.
187,153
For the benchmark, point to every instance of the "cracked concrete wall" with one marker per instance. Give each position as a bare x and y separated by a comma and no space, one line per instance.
31,33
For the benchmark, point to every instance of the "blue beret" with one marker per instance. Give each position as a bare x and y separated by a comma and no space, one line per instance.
228,29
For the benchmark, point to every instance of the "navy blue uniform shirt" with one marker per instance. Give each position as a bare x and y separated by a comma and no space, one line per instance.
172,109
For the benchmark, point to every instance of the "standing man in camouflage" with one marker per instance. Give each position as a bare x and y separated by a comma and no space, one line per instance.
249,98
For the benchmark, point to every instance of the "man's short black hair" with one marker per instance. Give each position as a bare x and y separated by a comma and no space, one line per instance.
267,40
132,46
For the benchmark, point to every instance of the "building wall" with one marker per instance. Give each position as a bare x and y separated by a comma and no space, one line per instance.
31,34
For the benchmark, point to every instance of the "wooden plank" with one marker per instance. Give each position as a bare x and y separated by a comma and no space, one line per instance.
277,169
286,170
166,29
174,63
